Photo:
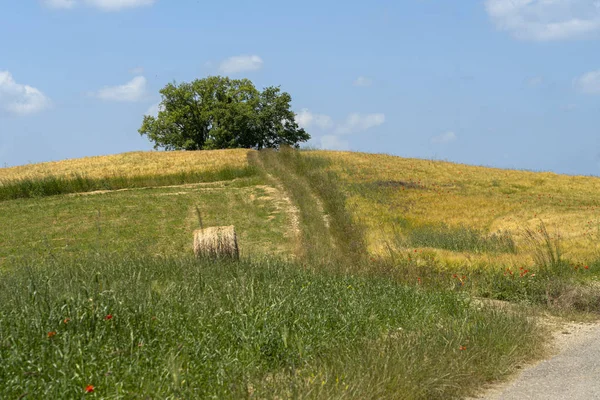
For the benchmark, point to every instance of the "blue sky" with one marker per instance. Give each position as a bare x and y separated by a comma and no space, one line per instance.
507,83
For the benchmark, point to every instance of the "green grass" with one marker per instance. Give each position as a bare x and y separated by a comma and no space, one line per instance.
338,322
459,238
330,234
55,185
187,329
154,221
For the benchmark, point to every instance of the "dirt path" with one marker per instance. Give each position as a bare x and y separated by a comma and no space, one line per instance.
572,373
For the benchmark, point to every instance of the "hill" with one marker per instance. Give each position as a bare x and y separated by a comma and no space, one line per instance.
411,199
361,275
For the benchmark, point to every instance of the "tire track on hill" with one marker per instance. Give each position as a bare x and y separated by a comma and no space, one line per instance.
312,225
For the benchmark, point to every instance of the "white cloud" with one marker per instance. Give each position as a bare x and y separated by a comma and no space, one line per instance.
333,132
237,64
133,90
19,99
588,83
359,122
104,5
306,119
154,109
116,5
444,138
332,142
354,123
363,81
545,20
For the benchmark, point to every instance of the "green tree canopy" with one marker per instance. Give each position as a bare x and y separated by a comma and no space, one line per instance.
222,113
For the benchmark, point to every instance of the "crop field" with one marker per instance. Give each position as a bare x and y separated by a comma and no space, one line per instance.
418,202
360,276
130,165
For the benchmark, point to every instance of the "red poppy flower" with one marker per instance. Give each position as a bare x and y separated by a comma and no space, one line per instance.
587,267
108,317
89,388
462,348
66,320
51,334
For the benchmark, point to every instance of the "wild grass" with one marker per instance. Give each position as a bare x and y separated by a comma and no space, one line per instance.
153,221
56,185
412,251
329,230
460,238
547,252
383,188
137,327
131,165
110,296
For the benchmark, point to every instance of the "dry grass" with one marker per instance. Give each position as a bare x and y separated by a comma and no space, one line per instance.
131,165
387,191
216,242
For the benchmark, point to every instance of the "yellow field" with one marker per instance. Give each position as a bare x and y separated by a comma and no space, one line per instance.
385,188
386,191
132,164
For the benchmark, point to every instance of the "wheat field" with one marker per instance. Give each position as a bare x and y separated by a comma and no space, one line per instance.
386,192
131,164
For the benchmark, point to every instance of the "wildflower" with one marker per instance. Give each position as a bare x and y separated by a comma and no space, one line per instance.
89,388
66,320
587,267
462,348
108,317
51,334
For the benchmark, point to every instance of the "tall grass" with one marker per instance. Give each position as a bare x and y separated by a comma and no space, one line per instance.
54,185
329,230
460,238
432,192
547,251
136,327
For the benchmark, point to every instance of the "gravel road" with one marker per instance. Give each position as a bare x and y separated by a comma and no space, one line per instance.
572,374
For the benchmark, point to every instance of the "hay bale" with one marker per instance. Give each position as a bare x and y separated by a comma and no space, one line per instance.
216,242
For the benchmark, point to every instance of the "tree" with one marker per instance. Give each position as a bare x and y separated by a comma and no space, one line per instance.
222,113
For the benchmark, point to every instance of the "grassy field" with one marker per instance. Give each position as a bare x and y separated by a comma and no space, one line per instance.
153,221
130,165
176,328
124,171
401,197
360,275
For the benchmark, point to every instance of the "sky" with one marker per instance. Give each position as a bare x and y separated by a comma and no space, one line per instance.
504,83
